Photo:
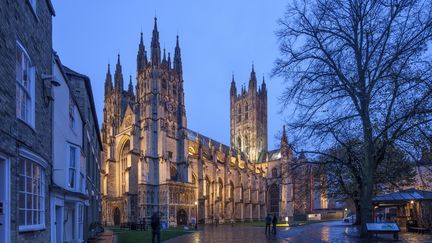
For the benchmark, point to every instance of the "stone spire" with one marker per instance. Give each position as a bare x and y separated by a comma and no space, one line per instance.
253,80
284,147
118,76
233,90
130,87
169,60
263,86
164,60
108,82
177,58
155,46
142,55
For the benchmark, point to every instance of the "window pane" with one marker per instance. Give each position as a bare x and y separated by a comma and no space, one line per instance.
29,217
29,204
18,64
22,217
29,184
23,106
21,199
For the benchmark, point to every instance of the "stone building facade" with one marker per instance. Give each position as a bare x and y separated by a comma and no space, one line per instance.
91,146
25,118
152,162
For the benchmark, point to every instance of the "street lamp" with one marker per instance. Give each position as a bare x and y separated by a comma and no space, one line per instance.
196,215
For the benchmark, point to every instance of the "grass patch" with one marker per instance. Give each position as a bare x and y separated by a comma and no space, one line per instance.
281,224
131,236
313,221
252,224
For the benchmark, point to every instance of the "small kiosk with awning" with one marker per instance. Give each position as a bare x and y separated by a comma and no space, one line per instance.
411,209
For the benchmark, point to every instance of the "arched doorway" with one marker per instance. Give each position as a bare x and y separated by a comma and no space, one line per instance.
182,217
274,199
117,216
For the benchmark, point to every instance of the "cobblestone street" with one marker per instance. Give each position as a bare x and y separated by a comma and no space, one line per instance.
320,232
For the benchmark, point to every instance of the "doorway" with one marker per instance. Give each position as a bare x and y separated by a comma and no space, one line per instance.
274,199
182,217
4,200
116,216
58,223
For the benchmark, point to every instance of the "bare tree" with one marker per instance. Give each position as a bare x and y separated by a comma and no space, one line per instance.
358,69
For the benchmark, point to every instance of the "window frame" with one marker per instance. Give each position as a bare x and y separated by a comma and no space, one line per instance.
74,167
29,117
27,156
72,108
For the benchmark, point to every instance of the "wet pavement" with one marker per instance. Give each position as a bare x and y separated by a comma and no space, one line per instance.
320,232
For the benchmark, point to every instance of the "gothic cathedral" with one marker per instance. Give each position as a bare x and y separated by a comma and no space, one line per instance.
152,162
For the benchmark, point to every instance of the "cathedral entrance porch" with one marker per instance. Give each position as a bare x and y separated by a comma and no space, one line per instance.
182,218
117,216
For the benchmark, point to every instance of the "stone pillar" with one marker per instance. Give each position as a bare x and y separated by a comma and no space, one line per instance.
201,200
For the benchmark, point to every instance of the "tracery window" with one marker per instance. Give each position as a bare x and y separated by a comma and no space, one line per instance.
124,164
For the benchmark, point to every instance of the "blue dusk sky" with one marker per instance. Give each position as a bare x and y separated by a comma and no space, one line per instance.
217,39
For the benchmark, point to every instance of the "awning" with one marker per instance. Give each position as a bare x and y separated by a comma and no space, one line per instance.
403,196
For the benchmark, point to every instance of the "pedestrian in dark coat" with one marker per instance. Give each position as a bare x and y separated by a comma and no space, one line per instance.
155,225
274,222
268,224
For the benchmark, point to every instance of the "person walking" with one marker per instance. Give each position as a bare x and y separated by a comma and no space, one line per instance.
268,221
274,222
155,225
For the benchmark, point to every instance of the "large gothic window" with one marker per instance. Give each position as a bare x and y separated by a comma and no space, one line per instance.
174,89
274,173
274,198
124,165
239,142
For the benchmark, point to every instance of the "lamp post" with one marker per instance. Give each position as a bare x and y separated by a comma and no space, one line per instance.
196,215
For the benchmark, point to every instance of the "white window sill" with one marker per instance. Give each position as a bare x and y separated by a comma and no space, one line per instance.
28,228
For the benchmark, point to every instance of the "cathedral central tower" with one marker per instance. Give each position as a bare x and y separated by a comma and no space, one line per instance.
248,118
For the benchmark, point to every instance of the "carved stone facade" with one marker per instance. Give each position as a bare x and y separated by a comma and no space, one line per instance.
153,163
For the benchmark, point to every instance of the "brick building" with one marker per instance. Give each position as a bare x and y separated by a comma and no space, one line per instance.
92,146
25,118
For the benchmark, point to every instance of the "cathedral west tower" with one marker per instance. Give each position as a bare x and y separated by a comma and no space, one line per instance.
144,135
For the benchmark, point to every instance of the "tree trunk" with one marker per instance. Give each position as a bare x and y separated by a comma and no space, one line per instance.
368,170
358,215
366,205
367,188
